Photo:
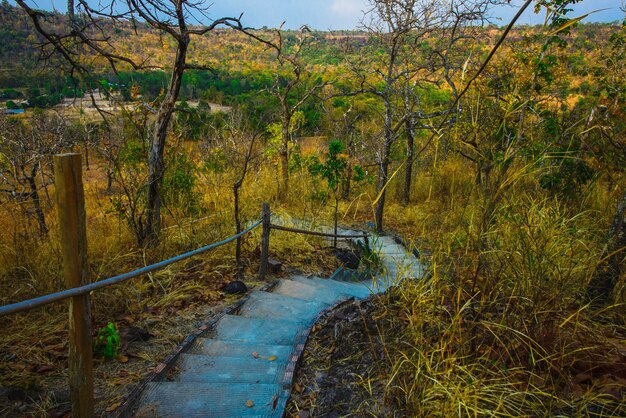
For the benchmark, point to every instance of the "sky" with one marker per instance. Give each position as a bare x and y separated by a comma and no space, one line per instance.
345,14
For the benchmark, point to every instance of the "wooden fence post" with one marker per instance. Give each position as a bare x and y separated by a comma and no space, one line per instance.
265,240
71,207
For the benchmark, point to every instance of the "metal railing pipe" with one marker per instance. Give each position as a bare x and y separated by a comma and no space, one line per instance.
77,291
318,234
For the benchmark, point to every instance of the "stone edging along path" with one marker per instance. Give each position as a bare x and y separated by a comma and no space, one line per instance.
244,365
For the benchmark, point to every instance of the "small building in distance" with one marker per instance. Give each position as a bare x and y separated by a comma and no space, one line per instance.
13,111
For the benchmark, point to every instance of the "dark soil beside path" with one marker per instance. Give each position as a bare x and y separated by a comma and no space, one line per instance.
345,364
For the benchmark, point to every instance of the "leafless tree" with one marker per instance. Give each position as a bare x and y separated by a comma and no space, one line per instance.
87,31
293,87
236,147
25,151
399,27
392,23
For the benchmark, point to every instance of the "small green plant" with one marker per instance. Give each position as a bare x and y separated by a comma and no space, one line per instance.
107,342
369,257
332,170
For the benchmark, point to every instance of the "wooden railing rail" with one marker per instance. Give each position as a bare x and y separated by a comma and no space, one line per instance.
29,304
267,229
318,234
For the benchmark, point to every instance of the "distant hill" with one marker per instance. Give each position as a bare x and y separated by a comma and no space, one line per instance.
242,66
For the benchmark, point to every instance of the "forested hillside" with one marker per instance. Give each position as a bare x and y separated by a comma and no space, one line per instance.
500,158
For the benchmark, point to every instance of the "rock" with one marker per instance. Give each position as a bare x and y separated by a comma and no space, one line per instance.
235,287
130,334
13,393
348,258
273,265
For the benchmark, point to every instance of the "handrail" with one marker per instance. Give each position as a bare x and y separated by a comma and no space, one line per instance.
319,234
77,291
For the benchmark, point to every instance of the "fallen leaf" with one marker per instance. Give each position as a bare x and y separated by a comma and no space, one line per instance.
582,377
113,407
133,355
57,347
122,381
45,368
122,358
272,358
255,355
298,388
274,402
249,403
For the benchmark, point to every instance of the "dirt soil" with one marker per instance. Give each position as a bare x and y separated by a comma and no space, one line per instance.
343,369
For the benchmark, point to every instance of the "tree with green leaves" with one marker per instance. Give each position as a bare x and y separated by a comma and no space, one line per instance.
293,86
606,126
398,29
333,169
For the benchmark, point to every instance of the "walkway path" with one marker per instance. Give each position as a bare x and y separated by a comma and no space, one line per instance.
246,367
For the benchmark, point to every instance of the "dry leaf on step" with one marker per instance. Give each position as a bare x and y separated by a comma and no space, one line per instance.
45,368
113,407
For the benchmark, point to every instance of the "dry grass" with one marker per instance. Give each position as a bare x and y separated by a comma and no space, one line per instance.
513,337
498,328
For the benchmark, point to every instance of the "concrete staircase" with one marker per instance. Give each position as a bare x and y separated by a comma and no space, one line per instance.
245,368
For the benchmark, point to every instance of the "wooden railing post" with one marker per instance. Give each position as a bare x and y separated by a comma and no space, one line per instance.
71,207
265,240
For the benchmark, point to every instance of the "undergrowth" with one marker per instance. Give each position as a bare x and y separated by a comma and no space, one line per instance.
167,303
500,325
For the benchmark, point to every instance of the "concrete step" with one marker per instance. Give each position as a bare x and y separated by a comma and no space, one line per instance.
308,291
277,306
219,375
258,331
219,400
207,369
213,347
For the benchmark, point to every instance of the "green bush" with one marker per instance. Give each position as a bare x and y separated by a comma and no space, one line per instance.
107,342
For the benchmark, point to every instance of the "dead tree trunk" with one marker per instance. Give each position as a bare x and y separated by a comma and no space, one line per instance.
236,186
383,170
602,284
156,163
284,157
410,155
34,196
383,177
239,272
